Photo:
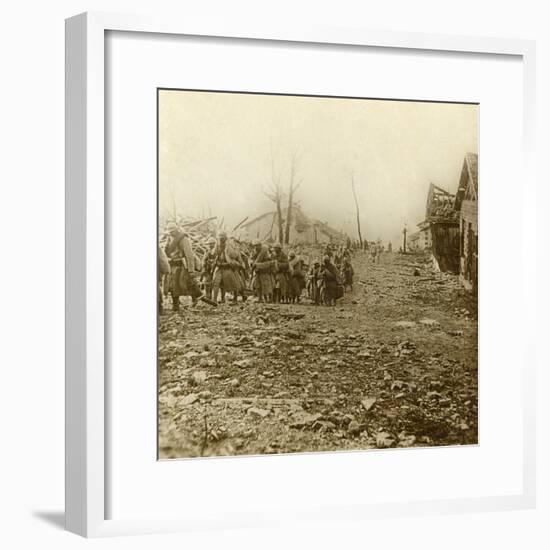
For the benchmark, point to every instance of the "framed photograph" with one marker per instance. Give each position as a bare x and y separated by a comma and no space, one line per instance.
286,263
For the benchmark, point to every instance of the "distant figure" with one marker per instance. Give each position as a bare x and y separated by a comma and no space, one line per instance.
314,282
330,282
347,273
374,252
380,250
389,247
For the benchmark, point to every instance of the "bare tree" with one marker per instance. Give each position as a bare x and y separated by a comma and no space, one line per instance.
293,185
274,193
356,210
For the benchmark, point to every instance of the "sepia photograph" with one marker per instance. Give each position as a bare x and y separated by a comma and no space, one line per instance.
317,273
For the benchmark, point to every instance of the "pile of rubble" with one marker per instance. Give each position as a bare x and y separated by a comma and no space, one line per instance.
374,372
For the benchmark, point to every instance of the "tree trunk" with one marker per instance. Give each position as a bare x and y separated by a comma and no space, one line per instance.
280,219
289,215
292,186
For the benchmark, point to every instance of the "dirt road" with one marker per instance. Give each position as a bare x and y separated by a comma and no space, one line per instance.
393,364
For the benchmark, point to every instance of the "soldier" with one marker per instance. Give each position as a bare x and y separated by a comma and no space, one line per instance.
243,270
163,270
373,252
282,279
311,280
226,261
338,258
380,250
347,273
262,280
208,268
182,267
297,278
330,282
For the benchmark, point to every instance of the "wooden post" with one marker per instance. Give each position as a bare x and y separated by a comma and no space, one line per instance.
357,211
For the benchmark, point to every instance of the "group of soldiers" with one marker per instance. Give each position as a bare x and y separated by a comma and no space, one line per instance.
243,269
328,279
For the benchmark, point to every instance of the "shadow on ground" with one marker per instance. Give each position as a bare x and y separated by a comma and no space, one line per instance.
54,518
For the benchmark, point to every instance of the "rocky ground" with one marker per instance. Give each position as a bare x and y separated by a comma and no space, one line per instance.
394,364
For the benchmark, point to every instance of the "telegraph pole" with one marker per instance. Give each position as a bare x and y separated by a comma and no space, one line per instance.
356,211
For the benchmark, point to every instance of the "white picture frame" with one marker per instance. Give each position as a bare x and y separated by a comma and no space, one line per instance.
85,260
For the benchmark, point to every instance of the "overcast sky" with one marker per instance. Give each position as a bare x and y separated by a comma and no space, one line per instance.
215,156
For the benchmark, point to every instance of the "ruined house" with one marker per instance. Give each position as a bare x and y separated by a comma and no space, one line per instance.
421,239
466,207
441,227
303,230
413,242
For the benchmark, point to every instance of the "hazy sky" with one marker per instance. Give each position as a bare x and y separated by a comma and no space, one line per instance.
215,156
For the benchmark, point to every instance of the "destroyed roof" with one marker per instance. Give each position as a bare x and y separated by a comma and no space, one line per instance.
301,221
329,231
440,205
471,160
467,185
257,219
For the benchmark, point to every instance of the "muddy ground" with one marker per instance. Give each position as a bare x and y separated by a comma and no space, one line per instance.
394,364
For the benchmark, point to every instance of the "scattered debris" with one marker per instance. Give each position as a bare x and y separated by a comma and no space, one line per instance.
379,374
405,324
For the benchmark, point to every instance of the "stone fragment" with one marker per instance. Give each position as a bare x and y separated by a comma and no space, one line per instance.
260,413
429,322
405,324
368,403
384,440
354,428
189,399
406,440
244,363
303,419
198,377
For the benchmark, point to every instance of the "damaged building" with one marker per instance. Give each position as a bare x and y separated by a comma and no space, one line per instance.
441,229
465,206
450,228
420,240
303,230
